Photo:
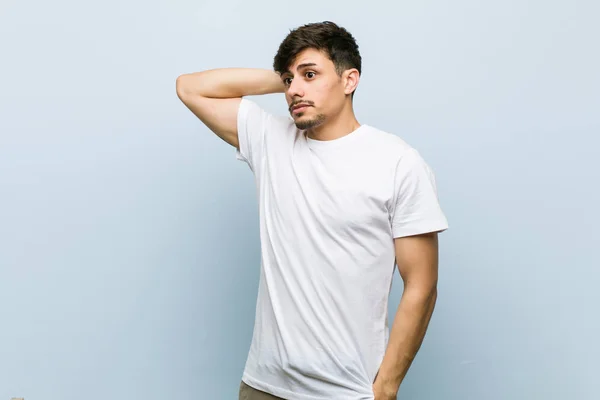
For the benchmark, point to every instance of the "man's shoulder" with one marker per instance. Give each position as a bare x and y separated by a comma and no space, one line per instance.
271,119
385,142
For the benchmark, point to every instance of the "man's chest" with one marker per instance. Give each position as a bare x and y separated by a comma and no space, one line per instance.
343,194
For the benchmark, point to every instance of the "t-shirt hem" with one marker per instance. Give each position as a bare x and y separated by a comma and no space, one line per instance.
422,228
277,391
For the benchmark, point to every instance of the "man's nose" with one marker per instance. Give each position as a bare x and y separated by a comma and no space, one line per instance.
295,89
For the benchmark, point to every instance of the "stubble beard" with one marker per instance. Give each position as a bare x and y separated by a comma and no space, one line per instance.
310,123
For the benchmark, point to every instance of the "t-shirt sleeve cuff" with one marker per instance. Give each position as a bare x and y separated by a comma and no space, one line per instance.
243,153
419,228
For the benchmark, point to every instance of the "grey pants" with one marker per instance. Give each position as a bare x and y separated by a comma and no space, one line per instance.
249,393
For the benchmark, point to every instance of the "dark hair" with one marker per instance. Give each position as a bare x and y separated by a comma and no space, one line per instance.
335,41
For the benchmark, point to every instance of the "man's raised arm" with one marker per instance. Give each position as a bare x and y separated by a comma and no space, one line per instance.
214,95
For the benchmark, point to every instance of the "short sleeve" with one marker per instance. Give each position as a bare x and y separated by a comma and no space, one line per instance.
416,208
252,122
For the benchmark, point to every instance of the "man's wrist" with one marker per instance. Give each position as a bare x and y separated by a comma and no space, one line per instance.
388,382
385,390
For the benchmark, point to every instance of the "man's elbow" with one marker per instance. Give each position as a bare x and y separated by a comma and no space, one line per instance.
182,86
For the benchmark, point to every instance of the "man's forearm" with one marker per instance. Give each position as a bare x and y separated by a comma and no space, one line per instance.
230,82
407,333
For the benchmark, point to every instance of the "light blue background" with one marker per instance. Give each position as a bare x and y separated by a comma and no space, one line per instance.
129,233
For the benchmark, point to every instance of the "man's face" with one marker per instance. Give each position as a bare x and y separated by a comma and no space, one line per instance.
314,90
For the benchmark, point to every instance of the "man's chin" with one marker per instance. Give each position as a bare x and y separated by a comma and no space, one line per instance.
304,124
308,123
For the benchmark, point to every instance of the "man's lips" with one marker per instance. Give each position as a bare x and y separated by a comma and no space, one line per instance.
300,107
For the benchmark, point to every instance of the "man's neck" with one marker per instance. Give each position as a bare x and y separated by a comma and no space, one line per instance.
335,128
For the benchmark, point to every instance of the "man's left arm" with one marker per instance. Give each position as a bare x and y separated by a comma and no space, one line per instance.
417,260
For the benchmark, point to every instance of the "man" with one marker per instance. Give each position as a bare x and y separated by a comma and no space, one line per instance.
341,204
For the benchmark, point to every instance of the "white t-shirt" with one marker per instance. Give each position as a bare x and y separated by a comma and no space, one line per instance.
329,212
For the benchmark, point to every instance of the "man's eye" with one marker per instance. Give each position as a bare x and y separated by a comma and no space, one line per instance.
287,81
310,74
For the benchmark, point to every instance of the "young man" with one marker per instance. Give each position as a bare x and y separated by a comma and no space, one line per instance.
340,204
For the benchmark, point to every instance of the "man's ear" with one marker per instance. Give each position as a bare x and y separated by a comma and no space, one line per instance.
351,78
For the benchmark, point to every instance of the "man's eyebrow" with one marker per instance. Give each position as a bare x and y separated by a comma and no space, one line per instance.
305,65
299,67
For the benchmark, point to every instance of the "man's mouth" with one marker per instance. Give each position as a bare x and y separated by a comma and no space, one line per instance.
299,107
